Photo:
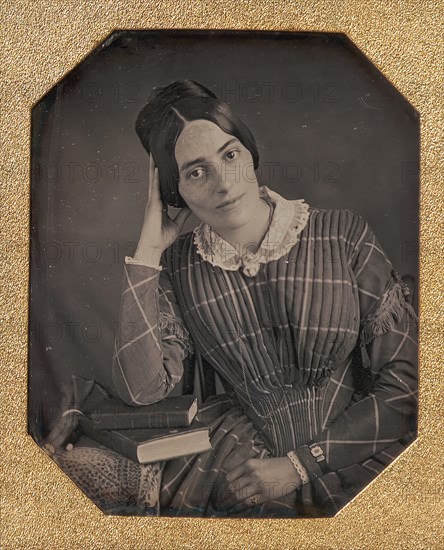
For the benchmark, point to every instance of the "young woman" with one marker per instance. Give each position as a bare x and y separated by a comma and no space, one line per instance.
280,299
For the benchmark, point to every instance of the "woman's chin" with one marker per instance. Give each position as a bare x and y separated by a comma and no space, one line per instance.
228,221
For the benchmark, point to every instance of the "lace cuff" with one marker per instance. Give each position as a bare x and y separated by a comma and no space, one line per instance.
390,309
297,464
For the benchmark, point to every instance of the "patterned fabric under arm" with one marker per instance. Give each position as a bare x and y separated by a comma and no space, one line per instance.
151,342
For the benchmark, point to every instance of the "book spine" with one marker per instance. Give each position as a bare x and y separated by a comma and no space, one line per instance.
131,421
111,439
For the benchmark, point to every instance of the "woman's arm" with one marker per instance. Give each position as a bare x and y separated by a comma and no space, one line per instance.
152,341
389,336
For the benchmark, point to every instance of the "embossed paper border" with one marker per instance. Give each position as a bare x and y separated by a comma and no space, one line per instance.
41,507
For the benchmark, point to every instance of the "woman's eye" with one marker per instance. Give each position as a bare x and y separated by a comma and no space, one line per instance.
232,154
196,173
200,172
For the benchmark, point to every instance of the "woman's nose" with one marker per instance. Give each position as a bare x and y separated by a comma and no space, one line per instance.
222,179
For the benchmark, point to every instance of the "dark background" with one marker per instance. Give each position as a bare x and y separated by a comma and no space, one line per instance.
338,133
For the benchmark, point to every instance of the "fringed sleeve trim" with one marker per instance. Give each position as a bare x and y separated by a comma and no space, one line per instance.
170,325
390,309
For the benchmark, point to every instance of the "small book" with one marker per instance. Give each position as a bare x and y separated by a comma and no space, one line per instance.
151,445
113,414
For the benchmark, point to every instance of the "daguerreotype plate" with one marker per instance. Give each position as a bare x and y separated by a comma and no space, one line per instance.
287,305
231,216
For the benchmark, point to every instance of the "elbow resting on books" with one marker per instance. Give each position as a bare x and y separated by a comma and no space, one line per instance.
143,393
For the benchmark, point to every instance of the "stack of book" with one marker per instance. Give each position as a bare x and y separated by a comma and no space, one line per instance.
148,433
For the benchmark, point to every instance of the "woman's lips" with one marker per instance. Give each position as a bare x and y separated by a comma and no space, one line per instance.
232,204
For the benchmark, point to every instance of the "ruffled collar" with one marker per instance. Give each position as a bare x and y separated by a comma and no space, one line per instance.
288,220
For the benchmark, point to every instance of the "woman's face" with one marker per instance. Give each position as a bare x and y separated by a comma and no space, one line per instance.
214,167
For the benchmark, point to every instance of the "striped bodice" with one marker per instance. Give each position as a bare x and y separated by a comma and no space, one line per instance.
299,323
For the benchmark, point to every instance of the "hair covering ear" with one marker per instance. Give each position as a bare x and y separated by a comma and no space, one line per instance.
150,119
162,119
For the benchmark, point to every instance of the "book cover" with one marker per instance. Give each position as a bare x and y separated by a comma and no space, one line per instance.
151,445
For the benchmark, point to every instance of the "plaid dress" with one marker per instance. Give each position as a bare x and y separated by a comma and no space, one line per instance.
329,355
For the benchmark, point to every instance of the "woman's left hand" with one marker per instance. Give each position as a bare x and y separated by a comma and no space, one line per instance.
258,480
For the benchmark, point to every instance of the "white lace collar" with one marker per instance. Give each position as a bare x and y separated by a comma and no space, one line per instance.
288,220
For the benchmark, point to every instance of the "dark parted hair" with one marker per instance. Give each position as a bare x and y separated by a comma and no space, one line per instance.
163,118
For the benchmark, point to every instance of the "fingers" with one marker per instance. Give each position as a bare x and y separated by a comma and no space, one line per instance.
150,176
237,492
235,473
156,184
237,487
252,500
242,484
153,181
156,209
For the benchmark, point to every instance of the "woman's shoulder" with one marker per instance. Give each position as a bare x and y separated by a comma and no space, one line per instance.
331,213
342,220
340,226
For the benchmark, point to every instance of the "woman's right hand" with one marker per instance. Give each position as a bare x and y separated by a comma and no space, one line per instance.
159,231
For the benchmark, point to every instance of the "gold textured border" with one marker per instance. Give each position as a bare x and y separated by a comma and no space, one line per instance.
41,507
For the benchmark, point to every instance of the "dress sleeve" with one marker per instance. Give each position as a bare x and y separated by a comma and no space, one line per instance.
151,340
388,334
